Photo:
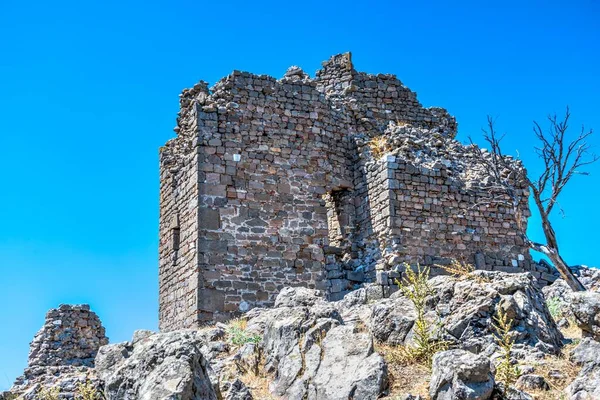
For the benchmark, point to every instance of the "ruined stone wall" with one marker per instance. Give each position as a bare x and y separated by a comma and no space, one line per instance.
178,223
272,183
71,335
437,207
375,100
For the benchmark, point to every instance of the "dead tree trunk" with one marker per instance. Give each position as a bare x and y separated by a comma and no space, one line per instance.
562,160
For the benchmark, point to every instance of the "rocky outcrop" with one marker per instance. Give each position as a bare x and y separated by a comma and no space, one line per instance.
157,366
586,385
313,354
315,349
465,309
585,308
461,375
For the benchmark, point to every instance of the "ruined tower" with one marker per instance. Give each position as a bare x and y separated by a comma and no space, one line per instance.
272,183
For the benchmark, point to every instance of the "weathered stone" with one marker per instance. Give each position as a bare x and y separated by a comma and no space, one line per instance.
586,385
460,375
532,382
324,182
161,366
62,353
585,307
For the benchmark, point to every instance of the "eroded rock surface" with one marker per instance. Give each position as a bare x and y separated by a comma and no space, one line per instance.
313,354
465,309
585,308
461,375
159,366
587,384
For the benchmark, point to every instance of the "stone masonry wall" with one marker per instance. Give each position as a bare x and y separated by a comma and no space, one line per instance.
272,183
179,219
71,335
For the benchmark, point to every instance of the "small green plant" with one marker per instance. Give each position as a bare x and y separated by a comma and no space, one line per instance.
48,393
415,286
555,307
88,391
506,371
238,335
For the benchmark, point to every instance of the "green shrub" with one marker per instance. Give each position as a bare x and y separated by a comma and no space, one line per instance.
238,335
48,393
88,391
415,286
555,306
506,372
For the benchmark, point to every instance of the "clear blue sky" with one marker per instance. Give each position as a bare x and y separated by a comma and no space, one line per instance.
88,92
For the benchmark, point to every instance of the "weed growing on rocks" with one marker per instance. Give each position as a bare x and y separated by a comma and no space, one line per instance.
461,270
88,391
506,372
415,286
51,393
238,336
379,146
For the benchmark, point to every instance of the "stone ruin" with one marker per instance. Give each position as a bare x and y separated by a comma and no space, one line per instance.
68,341
327,182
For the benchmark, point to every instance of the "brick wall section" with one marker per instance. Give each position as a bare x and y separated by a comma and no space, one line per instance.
271,183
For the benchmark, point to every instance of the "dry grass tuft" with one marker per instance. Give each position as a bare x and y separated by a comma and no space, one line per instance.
379,146
560,363
258,385
462,270
405,378
237,334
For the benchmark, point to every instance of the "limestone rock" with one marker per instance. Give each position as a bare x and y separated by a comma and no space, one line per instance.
586,385
236,390
585,307
466,309
461,375
312,354
532,382
161,366
392,320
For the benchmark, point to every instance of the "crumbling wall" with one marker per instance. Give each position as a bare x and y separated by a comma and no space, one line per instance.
71,335
271,183
179,218
438,208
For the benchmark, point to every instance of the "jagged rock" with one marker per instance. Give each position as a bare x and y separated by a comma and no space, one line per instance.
512,393
532,382
466,309
66,379
586,385
161,366
558,290
585,307
297,297
392,320
312,354
461,375
236,390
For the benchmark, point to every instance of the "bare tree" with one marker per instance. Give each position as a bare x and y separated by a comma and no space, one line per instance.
562,160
